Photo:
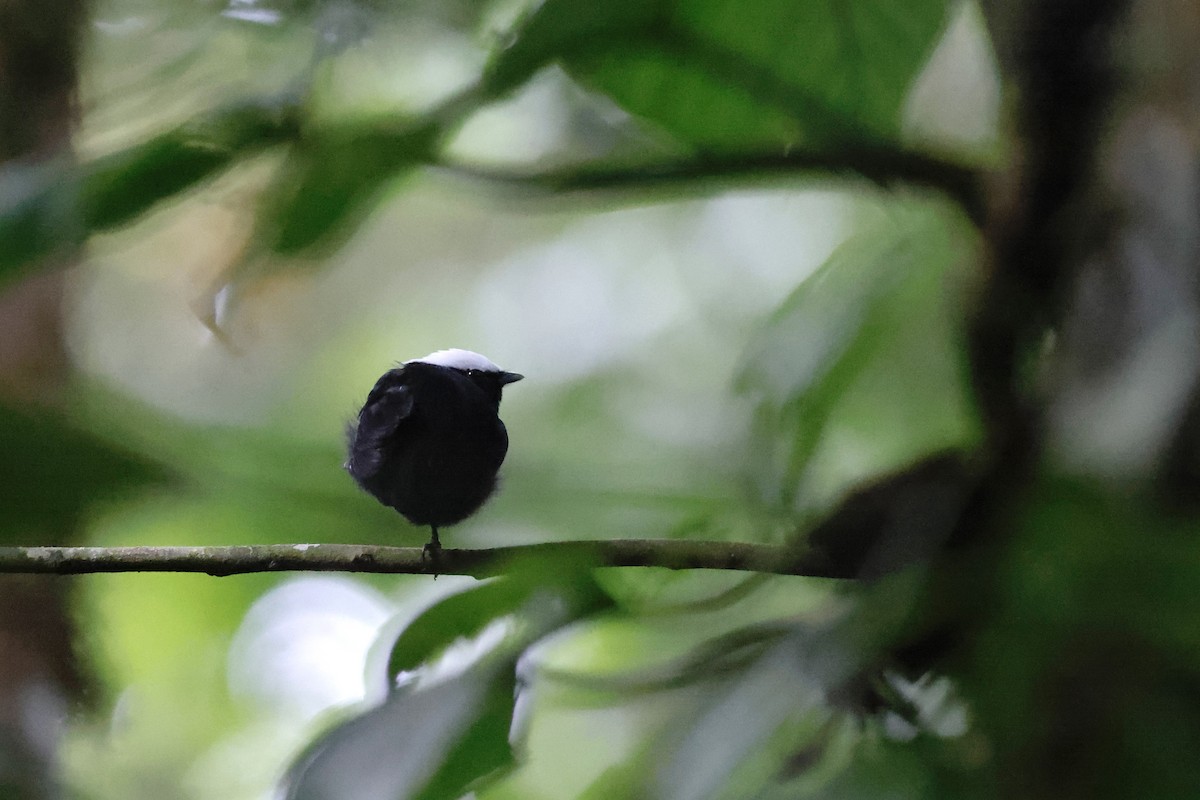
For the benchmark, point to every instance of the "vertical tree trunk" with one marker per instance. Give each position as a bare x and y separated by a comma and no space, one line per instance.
39,52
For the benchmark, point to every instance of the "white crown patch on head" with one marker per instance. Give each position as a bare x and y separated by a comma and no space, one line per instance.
458,359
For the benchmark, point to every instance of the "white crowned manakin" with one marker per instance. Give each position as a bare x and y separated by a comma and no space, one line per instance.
429,441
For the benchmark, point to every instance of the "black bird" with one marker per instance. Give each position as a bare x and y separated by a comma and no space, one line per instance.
429,441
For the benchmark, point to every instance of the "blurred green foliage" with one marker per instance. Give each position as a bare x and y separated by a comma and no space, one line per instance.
724,78
734,360
54,470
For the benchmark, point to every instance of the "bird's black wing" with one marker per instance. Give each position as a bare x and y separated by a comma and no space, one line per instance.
388,405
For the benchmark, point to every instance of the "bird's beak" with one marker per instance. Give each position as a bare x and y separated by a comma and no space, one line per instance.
509,377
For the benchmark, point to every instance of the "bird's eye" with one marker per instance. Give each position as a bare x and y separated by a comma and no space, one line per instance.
472,372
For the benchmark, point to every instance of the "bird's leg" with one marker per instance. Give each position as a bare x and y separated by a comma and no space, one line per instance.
433,548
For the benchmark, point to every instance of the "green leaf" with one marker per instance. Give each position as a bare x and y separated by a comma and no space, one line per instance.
484,752
745,730
623,781
430,744
465,614
456,617
722,75
868,347
49,207
331,180
547,34
435,737
121,187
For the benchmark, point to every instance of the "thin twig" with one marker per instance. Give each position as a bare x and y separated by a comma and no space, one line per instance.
242,559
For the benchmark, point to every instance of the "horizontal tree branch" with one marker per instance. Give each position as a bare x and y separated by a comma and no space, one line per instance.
241,559
882,166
